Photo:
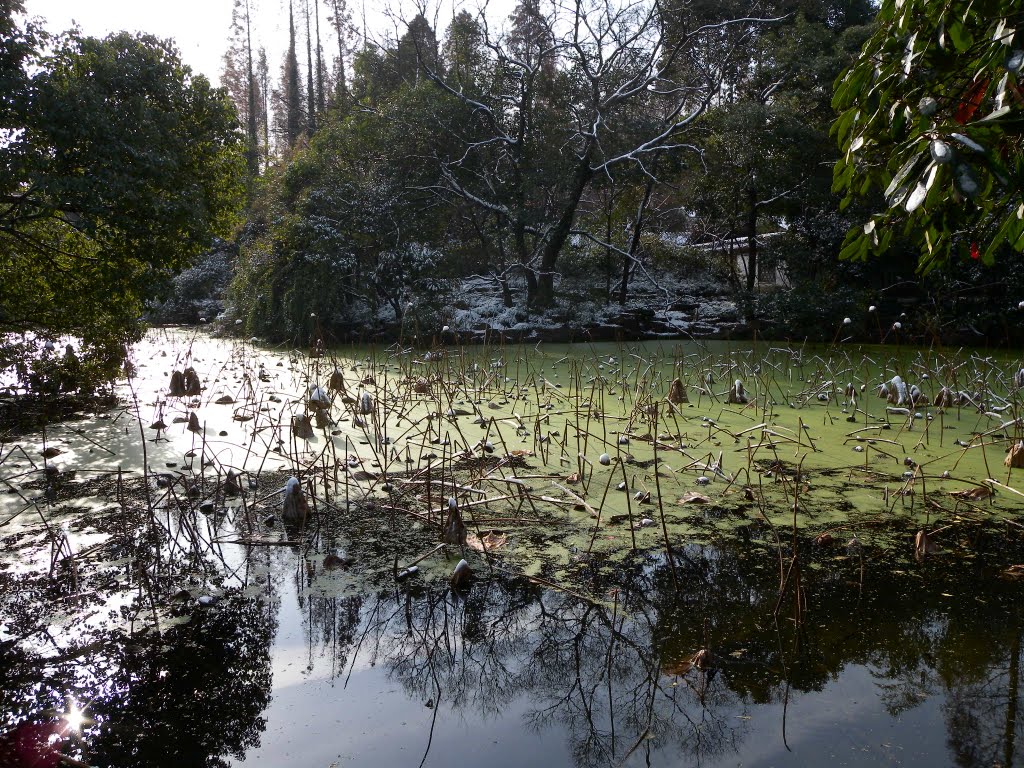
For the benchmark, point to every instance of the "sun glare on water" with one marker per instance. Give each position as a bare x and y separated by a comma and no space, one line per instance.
74,717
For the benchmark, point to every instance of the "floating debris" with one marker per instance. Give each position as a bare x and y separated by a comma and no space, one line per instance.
923,545
454,527
192,384
295,506
1015,456
405,573
302,427
318,398
333,562
461,576
677,392
693,497
176,388
736,393
366,403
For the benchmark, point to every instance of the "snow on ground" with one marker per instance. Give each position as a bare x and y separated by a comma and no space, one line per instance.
658,305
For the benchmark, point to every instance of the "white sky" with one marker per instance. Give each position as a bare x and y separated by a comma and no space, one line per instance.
200,28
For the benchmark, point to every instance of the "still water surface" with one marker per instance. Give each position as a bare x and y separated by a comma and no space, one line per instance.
879,659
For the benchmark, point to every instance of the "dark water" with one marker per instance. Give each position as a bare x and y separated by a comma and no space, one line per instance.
887,662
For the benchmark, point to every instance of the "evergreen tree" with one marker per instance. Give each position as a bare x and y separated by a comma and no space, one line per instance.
931,118
239,77
531,39
341,19
117,167
291,120
417,48
263,83
310,84
463,53
321,86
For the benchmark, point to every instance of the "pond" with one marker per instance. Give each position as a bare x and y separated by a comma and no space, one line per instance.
790,571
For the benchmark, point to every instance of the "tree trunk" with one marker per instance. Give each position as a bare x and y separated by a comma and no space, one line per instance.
634,242
341,86
523,254
609,258
291,86
321,97
310,85
545,296
252,148
506,291
752,241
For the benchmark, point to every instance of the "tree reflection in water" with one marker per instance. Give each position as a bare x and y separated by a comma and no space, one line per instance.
617,677
194,696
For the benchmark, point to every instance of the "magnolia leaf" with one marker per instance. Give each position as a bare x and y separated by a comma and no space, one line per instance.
908,57
997,36
1001,92
916,197
995,115
901,176
488,542
968,142
962,39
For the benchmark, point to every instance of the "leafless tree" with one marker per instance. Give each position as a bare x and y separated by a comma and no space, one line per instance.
589,89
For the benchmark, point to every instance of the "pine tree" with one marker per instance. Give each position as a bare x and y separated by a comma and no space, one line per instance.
291,87
321,90
263,81
310,86
239,78
252,148
341,19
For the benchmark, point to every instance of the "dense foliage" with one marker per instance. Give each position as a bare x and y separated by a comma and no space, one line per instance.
932,115
117,166
553,147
